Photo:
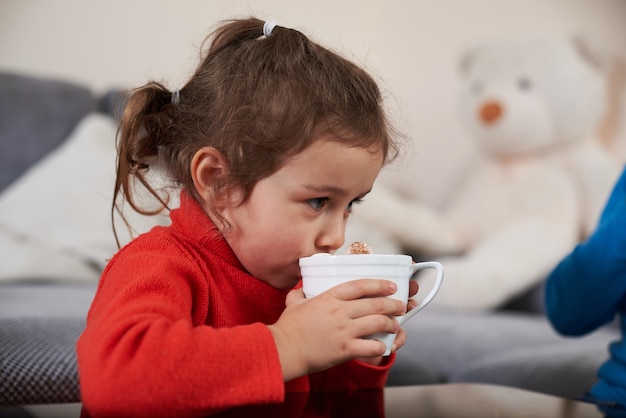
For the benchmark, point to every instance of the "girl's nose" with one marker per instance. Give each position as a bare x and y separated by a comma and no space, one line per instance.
333,235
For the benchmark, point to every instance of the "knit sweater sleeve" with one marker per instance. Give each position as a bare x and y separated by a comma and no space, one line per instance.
143,352
588,286
353,375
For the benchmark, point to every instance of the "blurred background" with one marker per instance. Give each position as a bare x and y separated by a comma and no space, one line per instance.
412,47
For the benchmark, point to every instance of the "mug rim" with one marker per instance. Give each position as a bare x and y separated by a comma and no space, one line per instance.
324,259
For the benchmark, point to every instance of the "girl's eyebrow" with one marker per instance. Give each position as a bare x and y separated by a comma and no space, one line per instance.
330,189
324,188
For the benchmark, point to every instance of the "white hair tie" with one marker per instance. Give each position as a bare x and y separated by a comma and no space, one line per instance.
268,27
176,97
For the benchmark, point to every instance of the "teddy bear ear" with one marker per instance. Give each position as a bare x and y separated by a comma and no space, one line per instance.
591,50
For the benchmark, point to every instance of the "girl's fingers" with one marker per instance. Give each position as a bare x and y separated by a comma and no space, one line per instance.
295,296
374,324
362,288
373,306
412,303
367,347
413,288
399,341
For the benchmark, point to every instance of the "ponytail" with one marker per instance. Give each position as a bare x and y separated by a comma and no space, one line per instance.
146,124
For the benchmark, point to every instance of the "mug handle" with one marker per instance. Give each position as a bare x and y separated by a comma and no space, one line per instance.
430,296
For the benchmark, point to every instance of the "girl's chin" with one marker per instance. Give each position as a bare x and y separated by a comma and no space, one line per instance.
291,280
283,281
287,283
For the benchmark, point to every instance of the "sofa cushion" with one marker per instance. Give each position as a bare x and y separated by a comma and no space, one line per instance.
39,327
45,300
567,369
36,115
55,220
38,360
503,348
112,102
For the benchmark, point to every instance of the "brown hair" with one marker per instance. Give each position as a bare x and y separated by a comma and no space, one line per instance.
258,100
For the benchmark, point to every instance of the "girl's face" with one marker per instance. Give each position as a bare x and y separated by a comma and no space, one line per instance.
300,210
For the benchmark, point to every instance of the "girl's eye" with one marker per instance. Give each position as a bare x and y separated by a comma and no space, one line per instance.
317,203
355,201
524,84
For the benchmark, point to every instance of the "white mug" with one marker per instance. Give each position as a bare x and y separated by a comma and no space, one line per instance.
321,272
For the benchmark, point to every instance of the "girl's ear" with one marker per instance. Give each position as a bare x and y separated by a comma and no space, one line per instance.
207,164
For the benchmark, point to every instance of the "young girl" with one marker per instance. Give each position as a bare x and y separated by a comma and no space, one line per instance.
272,141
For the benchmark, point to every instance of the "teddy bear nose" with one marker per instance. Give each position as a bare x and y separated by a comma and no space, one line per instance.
490,112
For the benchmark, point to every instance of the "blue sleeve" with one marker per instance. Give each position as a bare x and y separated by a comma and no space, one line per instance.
588,287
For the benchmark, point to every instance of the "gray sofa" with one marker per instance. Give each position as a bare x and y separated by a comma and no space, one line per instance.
42,315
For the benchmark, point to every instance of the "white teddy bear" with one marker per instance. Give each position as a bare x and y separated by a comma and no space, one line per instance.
534,108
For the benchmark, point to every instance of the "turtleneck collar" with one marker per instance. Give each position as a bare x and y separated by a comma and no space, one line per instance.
193,220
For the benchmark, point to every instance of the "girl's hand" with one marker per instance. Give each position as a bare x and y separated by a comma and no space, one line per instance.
401,336
314,334
413,289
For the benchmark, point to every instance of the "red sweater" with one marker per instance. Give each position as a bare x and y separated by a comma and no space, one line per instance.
178,328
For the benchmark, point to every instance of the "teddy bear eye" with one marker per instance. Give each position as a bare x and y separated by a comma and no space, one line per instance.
477,87
524,84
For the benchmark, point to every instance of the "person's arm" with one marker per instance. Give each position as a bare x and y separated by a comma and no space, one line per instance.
587,287
145,351
353,375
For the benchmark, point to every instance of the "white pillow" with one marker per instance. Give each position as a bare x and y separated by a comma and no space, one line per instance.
55,220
